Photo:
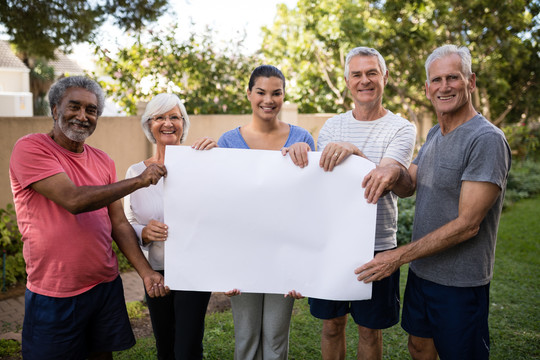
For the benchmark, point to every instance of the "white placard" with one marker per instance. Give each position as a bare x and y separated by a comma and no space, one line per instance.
252,220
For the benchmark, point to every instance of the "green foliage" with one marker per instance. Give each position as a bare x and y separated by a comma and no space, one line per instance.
9,348
524,140
523,181
135,309
37,28
210,79
405,220
11,245
310,42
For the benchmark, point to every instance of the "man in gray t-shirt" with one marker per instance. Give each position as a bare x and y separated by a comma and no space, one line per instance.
460,177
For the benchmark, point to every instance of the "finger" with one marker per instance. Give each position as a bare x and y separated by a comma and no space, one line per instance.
304,157
284,151
295,159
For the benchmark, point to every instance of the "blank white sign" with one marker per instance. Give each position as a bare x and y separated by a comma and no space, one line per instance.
252,220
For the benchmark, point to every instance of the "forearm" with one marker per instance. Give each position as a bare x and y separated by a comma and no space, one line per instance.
89,198
404,186
445,237
126,239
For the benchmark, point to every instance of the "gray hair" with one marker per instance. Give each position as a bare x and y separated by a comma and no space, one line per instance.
161,104
58,89
364,51
447,50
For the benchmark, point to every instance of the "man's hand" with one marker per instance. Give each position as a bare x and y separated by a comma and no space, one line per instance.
152,174
155,285
298,153
383,265
336,152
380,180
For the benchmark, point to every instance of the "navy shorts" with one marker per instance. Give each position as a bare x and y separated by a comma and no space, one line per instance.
455,317
380,312
74,327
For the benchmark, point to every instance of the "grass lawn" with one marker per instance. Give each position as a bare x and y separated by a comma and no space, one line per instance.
514,312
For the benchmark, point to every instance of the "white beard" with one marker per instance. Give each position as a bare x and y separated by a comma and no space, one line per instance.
70,133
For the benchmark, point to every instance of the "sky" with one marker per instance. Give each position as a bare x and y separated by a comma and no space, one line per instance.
228,18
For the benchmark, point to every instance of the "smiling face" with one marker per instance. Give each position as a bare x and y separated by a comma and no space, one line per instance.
167,128
266,97
448,88
366,81
75,116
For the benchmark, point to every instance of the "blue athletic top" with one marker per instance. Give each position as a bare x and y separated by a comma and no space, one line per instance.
233,138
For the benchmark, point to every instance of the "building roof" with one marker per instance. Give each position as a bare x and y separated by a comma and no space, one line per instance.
62,64
8,59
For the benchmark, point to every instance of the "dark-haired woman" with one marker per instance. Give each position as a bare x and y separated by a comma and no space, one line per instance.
261,321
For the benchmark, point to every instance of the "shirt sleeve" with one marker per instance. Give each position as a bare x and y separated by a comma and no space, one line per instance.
401,147
31,162
489,160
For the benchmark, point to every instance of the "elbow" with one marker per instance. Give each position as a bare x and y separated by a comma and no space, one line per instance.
75,210
471,230
75,207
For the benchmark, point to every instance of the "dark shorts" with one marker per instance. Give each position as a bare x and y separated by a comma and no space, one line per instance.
73,327
455,317
380,312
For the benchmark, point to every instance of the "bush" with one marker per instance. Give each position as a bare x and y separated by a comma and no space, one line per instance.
524,140
11,245
405,220
523,181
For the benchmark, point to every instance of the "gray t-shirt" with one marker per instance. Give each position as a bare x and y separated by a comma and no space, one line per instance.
475,151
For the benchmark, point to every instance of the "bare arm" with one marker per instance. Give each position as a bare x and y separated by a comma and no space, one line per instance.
77,199
476,198
126,239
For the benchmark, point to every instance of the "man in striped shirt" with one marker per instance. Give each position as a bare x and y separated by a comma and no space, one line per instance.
375,133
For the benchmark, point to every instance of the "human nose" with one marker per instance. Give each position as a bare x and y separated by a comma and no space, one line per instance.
364,79
81,114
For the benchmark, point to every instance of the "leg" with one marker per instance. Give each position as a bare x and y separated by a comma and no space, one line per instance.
189,312
247,316
162,317
277,311
369,343
333,343
422,348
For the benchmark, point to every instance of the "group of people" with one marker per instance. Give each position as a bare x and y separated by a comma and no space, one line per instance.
74,303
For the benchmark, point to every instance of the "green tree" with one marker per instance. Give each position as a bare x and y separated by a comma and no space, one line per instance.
211,79
311,40
38,27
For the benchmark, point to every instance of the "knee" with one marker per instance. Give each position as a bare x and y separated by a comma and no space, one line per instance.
334,328
422,349
370,337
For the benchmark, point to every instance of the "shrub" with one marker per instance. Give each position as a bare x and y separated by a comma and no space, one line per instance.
11,245
405,220
524,140
523,181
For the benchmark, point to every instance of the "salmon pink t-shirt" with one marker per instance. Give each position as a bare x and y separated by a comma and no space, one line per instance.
65,254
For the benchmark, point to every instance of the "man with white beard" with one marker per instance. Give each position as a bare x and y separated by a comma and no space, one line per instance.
67,200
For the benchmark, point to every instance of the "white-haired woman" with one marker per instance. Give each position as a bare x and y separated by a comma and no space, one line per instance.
177,319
